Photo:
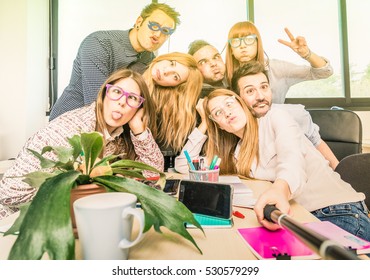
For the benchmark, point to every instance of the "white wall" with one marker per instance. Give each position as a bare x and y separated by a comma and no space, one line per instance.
24,57
77,19
23,72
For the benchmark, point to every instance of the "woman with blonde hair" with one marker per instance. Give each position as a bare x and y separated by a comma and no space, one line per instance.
120,114
275,149
175,84
245,44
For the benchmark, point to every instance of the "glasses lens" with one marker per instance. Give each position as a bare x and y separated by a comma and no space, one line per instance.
153,26
249,40
235,42
217,114
166,31
133,100
113,92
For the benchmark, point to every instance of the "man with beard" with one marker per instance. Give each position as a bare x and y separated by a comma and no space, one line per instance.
251,82
210,64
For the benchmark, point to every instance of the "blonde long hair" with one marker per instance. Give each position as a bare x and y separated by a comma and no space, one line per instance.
101,125
223,143
241,29
175,106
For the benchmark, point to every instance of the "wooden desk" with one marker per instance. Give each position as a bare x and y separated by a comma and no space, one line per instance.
218,244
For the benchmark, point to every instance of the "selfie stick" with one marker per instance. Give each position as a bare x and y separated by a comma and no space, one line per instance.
326,248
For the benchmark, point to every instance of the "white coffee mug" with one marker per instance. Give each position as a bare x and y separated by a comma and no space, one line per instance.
104,224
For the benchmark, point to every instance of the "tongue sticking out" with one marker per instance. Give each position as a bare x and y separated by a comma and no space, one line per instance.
116,115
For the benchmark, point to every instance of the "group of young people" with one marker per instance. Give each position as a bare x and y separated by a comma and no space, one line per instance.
143,104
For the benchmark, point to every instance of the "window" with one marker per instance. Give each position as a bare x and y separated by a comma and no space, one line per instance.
359,45
337,30
320,28
209,20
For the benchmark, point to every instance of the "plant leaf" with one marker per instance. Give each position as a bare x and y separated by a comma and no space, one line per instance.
37,178
47,225
64,154
140,166
129,173
44,162
160,209
75,142
14,229
105,161
92,145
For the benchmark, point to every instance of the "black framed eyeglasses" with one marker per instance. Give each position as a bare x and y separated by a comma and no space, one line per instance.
154,26
115,93
248,40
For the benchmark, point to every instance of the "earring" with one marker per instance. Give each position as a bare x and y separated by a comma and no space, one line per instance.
137,27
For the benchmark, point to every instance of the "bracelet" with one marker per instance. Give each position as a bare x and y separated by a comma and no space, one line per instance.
137,134
307,56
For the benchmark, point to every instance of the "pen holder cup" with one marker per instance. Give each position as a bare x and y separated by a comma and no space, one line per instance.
204,175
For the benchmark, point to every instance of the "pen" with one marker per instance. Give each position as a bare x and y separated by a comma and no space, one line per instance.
201,164
196,164
217,165
238,214
213,162
189,160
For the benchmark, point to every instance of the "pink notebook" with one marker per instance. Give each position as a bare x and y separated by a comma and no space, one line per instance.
280,244
341,236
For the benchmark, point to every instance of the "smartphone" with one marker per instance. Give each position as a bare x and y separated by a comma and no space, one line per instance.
171,186
212,199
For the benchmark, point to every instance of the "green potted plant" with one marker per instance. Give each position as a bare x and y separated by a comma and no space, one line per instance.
44,224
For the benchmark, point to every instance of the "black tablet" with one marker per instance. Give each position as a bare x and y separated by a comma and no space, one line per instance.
212,199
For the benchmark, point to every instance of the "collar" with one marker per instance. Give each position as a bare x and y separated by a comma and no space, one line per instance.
110,137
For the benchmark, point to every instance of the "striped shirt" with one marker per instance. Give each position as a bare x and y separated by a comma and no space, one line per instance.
13,191
100,54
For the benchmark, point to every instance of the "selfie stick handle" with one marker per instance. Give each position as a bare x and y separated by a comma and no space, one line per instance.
326,248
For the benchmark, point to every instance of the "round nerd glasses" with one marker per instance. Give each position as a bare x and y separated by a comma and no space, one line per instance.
248,40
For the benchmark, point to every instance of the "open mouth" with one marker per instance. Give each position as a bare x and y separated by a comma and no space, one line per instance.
116,115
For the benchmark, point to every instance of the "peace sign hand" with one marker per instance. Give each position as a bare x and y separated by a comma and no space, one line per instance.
298,44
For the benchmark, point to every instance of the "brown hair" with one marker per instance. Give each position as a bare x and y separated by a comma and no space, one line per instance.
247,69
223,143
175,106
101,125
241,29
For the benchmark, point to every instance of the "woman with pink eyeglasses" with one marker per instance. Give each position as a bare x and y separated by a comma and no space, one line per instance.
120,114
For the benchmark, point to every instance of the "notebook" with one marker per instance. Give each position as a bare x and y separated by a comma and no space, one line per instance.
344,238
213,222
280,244
243,195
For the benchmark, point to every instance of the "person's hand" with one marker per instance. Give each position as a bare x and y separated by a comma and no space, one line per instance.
297,44
200,109
276,195
137,123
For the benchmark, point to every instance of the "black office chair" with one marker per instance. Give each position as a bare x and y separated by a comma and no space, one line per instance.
355,170
340,129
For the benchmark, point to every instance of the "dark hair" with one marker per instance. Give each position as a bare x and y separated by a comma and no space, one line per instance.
196,46
149,9
247,69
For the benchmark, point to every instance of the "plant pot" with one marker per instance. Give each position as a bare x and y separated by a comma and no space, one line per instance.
82,191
